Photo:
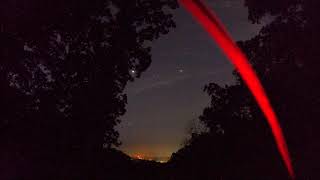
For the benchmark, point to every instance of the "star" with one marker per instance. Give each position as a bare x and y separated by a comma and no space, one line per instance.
132,71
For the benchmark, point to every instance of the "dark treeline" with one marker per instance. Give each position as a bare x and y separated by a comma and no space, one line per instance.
64,66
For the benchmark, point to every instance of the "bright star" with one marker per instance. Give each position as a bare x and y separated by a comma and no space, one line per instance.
132,71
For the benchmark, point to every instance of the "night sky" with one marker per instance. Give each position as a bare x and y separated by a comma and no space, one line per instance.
162,103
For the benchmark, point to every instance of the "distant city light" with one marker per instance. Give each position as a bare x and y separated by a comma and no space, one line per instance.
138,156
150,158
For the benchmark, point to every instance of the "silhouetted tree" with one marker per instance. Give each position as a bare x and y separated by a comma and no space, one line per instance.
64,66
285,55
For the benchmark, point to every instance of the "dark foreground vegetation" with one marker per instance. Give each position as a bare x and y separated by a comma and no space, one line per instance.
65,63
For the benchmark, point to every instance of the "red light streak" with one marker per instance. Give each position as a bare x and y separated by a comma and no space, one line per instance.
212,25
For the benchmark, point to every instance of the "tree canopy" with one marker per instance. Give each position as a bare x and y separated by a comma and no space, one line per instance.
64,66
285,56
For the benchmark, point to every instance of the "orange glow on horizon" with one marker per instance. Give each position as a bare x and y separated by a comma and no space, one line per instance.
155,152
139,156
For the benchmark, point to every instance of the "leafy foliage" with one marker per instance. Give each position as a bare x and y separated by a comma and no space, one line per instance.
64,66
285,55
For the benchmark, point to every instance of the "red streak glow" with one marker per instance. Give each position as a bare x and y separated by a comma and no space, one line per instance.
216,30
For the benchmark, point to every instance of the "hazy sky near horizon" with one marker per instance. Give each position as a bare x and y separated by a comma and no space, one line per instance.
162,103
